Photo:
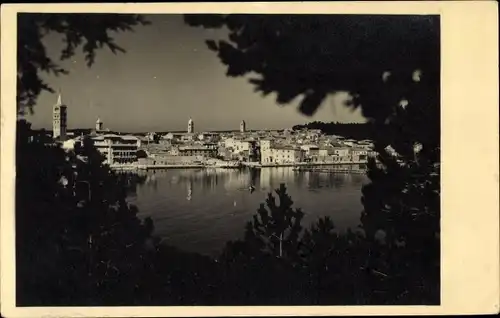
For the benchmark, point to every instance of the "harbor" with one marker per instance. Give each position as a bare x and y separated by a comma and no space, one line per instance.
351,167
331,169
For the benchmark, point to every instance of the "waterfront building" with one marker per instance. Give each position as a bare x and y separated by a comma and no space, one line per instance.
239,146
323,155
224,153
324,152
198,150
341,151
271,153
244,150
265,150
59,119
265,144
286,155
154,149
253,151
359,155
309,148
117,149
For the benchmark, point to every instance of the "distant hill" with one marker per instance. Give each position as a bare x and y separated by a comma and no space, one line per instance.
355,131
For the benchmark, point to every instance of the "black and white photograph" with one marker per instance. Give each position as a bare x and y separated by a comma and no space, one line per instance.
228,159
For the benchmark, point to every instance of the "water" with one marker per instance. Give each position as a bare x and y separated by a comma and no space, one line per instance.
199,210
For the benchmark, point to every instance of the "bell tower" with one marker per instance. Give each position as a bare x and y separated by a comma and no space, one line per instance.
98,124
190,129
59,119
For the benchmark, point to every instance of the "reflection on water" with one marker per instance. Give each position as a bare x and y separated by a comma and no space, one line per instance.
200,209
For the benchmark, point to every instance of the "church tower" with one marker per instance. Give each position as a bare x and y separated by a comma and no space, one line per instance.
190,126
98,125
243,126
59,119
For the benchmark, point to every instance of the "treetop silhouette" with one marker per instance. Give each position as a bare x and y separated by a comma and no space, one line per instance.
314,55
90,31
276,228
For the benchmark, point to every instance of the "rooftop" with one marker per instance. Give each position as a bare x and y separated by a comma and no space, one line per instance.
194,148
114,136
358,149
281,147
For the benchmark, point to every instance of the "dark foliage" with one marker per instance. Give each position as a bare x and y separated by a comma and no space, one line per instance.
89,31
314,55
321,266
275,230
77,238
79,242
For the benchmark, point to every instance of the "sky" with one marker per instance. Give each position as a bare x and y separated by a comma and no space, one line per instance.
166,76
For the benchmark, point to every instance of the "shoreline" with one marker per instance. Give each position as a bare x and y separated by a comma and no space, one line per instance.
305,164
299,166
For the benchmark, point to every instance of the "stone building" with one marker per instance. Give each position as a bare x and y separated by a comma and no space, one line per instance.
190,129
59,120
117,149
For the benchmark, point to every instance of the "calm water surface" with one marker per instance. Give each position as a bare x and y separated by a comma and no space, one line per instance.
198,210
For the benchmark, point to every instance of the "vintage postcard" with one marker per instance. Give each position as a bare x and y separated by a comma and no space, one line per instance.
249,159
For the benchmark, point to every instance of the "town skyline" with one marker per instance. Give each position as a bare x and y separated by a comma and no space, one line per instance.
100,122
167,70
